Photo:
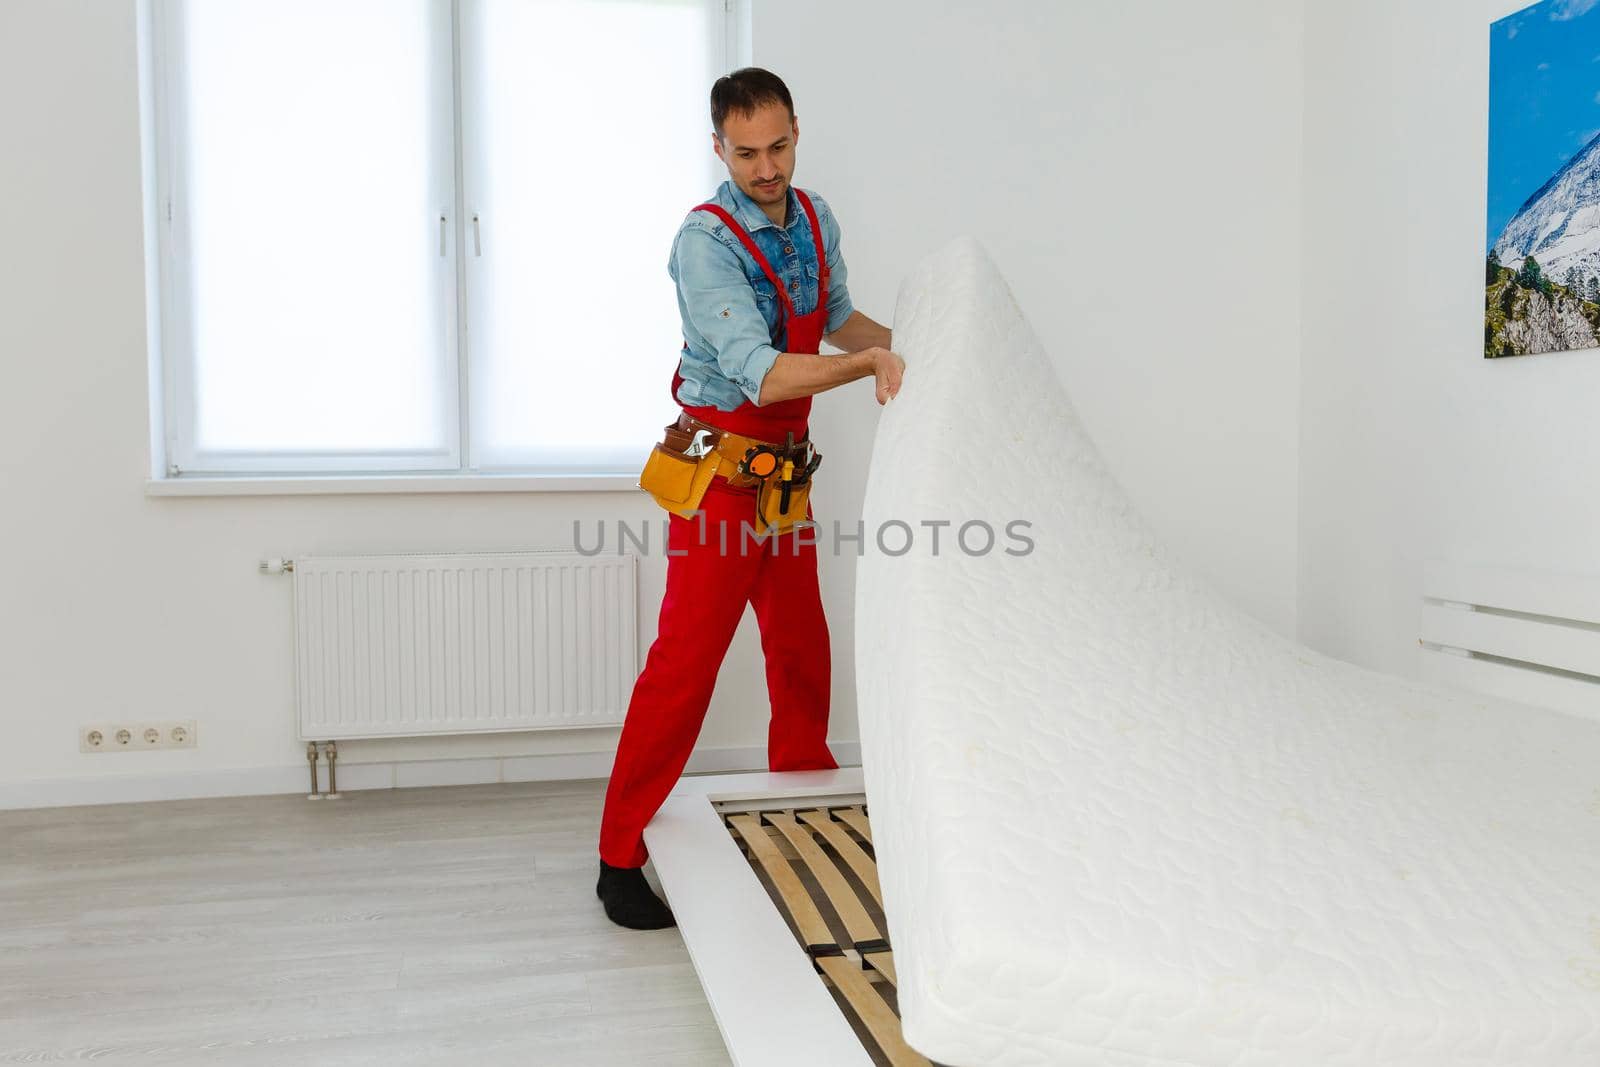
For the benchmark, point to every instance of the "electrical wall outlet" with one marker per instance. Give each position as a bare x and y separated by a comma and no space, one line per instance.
128,737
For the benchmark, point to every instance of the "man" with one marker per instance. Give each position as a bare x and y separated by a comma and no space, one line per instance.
760,282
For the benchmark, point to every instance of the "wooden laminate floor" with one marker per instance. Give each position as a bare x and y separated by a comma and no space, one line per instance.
450,925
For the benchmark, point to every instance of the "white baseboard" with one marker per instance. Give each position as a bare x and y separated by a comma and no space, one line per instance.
394,774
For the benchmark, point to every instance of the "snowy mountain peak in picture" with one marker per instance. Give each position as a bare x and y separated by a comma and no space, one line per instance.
1560,225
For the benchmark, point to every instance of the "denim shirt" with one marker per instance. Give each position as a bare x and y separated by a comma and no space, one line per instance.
730,311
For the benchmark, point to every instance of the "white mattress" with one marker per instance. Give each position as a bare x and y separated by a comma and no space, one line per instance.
1119,822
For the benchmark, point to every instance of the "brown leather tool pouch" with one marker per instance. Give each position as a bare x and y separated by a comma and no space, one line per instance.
675,438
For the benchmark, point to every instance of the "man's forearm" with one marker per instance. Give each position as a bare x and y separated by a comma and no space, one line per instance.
796,374
859,332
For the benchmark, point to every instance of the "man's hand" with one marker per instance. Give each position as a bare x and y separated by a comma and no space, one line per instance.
887,368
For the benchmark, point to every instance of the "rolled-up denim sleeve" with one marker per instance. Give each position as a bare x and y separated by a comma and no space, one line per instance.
722,306
840,307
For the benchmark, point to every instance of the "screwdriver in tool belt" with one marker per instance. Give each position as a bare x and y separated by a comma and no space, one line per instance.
783,496
788,474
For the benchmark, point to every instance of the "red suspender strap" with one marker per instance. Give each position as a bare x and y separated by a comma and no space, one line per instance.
761,260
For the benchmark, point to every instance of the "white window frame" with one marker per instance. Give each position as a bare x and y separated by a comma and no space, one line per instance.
176,469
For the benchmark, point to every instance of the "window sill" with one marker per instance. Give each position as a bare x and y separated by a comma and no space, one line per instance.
310,484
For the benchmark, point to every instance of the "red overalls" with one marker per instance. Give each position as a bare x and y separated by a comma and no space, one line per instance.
707,589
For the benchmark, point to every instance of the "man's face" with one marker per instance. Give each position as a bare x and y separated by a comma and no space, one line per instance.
758,150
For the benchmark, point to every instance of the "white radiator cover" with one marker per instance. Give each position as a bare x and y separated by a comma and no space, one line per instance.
417,644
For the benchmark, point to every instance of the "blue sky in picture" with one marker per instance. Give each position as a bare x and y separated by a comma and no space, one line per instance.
1544,99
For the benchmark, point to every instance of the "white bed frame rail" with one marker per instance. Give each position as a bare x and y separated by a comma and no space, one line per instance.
1529,636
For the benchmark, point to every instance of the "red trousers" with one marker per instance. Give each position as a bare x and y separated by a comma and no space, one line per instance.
707,589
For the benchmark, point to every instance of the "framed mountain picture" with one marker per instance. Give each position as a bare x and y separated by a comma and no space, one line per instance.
1543,262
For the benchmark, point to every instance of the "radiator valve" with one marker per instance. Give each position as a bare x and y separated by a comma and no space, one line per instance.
311,758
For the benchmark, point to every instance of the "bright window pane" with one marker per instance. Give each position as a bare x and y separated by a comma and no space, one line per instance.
316,155
588,140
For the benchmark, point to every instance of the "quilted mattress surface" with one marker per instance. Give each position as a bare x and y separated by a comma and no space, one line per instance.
1119,822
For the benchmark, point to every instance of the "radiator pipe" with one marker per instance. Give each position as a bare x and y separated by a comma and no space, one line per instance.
333,758
311,758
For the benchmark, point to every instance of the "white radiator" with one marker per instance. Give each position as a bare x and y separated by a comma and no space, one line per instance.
402,645
1531,636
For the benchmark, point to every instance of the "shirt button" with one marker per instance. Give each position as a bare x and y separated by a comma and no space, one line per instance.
788,250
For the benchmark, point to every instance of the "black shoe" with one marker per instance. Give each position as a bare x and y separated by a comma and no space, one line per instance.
629,900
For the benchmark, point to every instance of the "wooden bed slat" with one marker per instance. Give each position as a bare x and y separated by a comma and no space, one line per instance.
883,963
784,848
845,845
856,819
813,930
840,893
872,1010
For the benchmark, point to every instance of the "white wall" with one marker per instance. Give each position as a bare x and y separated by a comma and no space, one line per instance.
1413,446
1135,170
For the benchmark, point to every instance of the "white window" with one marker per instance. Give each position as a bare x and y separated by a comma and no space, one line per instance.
424,235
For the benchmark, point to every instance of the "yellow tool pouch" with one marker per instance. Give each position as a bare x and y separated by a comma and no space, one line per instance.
677,482
771,515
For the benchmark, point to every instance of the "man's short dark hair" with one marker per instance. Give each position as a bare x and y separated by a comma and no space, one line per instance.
746,90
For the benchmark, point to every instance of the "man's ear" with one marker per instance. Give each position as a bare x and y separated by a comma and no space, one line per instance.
716,145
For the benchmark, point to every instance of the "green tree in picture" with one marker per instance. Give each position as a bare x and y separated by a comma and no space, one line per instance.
1532,277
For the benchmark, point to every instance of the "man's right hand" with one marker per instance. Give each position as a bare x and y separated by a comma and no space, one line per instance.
887,368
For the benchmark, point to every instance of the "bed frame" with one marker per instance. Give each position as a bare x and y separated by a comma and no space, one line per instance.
1526,635
769,993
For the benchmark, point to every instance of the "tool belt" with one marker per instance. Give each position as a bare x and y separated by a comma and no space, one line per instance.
691,453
